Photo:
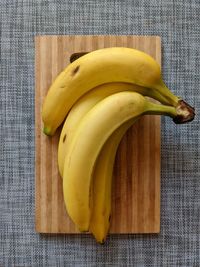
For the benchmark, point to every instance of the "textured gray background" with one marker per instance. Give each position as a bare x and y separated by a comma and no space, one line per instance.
178,23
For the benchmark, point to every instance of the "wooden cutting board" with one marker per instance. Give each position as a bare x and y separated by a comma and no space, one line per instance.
136,187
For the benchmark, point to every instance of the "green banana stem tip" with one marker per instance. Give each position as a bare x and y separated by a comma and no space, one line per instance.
47,131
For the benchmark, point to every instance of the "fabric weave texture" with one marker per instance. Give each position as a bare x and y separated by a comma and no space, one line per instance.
178,24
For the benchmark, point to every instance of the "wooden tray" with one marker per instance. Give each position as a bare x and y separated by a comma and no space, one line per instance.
136,188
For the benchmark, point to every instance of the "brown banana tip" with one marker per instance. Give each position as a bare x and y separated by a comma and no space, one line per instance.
102,242
185,113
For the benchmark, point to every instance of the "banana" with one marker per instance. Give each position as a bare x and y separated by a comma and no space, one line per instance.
83,105
102,176
91,134
116,64
101,186
103,171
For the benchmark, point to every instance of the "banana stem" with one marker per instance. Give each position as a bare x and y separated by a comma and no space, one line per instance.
157,109
156,95
167,94
184,112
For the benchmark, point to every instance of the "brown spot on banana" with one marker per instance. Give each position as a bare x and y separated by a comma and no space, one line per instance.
64,138
74,71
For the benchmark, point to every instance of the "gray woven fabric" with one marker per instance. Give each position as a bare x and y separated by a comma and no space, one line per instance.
178,23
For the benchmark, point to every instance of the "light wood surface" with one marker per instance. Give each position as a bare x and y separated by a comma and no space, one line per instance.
136,187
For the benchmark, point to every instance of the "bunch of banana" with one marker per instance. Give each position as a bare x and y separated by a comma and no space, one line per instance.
116,64
102,95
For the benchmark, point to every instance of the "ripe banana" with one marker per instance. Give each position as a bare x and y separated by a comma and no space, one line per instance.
102,176
91,134
101,185
83,105
116,64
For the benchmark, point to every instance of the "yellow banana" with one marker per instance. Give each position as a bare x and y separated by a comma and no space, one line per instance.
103,170
101,186
82,106
99,224
91,134
116,64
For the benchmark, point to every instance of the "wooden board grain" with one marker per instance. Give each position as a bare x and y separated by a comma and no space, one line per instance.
136,186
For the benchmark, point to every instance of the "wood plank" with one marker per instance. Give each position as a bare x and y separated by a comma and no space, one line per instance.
136,186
